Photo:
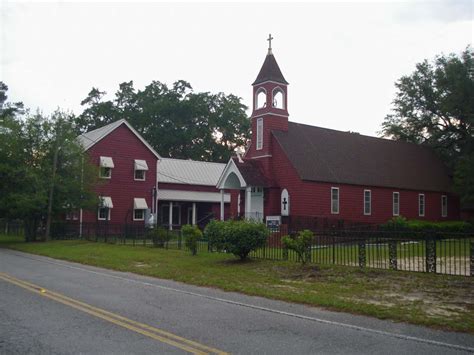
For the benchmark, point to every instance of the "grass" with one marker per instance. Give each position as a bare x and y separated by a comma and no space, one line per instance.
439,301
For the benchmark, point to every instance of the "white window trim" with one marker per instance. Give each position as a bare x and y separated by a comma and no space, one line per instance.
135,177
370,203
283,102
103,176
420,196
444,212
143,214
257,93
393,203
259,134
338,200
103,219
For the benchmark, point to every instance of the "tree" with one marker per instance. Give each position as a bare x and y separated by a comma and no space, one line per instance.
29,147
176,121
300,244
191,235
434,106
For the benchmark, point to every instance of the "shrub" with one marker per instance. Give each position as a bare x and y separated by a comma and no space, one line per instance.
191,235
396,223
401,223
159,236
213,233
300,244
236,237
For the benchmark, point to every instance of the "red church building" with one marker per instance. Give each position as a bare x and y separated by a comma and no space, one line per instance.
293,169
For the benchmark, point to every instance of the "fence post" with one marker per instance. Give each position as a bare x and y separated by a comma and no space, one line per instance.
333,249
362,254
430,254
392,254
472,258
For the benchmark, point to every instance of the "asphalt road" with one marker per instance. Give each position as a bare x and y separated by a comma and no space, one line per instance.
49,306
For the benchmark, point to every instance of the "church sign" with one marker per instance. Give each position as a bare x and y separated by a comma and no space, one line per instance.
285,203
273,223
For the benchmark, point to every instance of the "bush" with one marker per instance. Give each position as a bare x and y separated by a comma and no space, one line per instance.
191,235
396,223
401,223
300,244
236,237
159,236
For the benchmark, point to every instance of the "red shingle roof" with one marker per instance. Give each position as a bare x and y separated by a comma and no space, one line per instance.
326,155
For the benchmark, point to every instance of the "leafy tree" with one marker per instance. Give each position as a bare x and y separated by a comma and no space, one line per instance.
300,244
434,106
175,120
42,167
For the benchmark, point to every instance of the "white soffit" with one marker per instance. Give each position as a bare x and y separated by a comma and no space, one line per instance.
191,196
141,164
139,203
106,162
190,172
106,202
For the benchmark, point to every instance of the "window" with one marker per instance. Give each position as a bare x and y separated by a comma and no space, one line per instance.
106,164
165,215
396,204
278,99
444,206
421,205
260,99
259,133
105,173
334,200
367,202
140,168
257,190
103,214
105,204
140,175
73,215
138,215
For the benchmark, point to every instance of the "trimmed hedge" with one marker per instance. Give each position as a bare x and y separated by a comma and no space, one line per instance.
401,223
236,237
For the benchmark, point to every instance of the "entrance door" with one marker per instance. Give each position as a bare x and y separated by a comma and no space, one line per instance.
190,215
256,208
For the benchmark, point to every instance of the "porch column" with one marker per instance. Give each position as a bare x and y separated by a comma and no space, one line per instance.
222,204
194,213
248,202
171,216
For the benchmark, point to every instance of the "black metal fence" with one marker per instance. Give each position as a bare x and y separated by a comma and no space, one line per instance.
11,227
356,245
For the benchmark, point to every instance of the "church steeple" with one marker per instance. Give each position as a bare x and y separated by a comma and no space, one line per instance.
270,70
270,105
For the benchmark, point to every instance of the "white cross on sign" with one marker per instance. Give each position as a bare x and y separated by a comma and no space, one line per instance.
285,203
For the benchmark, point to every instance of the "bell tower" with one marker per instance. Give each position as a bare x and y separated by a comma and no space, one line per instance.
270,105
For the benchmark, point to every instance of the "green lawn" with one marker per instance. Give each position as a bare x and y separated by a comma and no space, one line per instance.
433,300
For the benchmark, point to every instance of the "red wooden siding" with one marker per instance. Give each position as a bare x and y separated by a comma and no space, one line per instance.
123,147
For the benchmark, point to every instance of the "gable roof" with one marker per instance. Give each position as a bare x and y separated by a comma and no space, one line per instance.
326,155
180,171
270,71
251,173
89,139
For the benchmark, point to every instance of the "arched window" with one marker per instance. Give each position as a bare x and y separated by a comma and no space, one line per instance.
278,99
260,99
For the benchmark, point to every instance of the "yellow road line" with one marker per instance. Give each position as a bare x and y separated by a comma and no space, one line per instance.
144,329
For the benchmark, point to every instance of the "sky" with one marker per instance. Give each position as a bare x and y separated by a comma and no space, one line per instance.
340,58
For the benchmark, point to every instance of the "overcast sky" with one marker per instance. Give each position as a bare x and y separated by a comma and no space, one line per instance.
341,59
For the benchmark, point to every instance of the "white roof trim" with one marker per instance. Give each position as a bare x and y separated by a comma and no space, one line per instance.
191,196
139,204
102,132
230,168
141,164
106,201
106,162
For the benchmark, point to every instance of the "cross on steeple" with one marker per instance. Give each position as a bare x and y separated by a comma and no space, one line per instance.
269,39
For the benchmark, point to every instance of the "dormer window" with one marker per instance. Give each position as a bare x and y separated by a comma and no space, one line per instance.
140,168
278,99
259,143
106,166
260,98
